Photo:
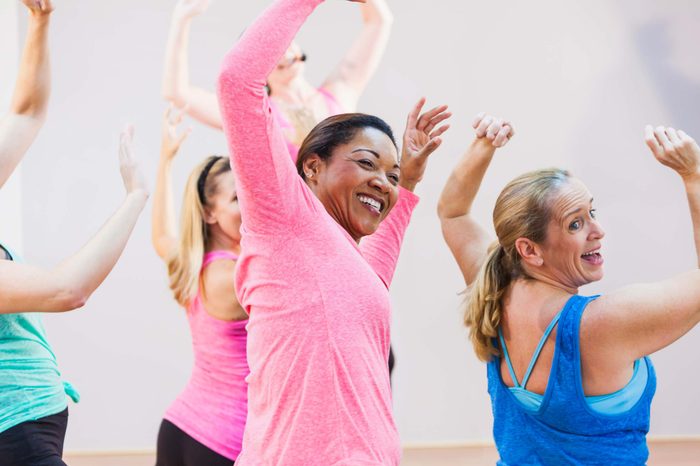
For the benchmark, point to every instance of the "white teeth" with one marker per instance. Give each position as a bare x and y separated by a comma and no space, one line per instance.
371,202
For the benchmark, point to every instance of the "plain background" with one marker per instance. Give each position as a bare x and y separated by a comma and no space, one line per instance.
579,80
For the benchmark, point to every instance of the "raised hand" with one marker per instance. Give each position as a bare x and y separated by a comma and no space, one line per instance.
39,6
496,130
675,149
420,139
128,166
191,8
170,139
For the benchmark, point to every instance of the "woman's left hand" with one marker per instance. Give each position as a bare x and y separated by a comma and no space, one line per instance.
421,138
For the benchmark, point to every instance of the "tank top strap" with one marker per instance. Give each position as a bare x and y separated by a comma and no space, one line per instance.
334,107
218,255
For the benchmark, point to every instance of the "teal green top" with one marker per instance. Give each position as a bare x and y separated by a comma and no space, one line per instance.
30,383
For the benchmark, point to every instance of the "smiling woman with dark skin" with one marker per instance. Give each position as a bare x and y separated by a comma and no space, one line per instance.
569,377
319,248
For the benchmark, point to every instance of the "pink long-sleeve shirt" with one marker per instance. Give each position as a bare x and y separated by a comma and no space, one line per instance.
319,327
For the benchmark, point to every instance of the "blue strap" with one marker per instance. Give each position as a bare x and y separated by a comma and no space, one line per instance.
535,356
505,354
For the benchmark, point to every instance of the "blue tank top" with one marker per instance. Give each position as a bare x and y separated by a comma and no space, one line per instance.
30,382
565,430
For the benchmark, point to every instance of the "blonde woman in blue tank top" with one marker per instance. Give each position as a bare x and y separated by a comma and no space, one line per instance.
33,398
568,375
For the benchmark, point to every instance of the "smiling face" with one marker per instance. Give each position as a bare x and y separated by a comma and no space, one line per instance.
358,183
571,252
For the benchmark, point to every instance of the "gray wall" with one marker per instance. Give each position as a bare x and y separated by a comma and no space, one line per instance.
578,79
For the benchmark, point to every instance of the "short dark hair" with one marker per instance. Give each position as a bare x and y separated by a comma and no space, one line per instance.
335,131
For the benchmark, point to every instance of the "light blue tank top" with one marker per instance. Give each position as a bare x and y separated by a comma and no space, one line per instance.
30,382
563,428
612,403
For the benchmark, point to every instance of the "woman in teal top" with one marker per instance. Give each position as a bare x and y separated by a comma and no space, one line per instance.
33,403
568,375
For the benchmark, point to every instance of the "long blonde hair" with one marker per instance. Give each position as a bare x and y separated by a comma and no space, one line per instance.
185,264
523,210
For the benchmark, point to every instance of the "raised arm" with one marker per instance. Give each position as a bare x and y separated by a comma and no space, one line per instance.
421,138
201,104
30,99
467,240
269,189
68,286
641,319
349,79
163,223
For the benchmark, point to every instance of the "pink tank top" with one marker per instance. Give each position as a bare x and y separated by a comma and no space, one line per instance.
334,108
212,408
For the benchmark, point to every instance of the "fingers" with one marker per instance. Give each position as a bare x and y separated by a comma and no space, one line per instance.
425,119
483,126
662,138
477,119
430,147
415,112
436,121
503,135
652,142
439,131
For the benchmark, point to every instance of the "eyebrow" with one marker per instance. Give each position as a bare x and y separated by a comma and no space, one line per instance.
361,149
569,214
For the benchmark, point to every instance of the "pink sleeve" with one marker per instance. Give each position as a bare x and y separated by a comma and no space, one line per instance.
381,249
269,189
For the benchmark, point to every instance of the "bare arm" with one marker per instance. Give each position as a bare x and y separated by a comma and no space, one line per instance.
30,99
200,104
163,223
68,286
641,319
467,240
349,79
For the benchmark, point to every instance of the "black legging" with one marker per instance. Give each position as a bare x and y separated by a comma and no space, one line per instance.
176,448
35,443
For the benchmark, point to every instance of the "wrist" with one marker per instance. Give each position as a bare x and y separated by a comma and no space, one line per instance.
139,195
39,18
409,184
692,181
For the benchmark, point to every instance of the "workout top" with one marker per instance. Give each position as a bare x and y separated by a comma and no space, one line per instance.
320,312
30,382
612,403
212,407
334,108
564,428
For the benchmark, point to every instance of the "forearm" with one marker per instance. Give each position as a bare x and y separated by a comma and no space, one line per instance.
84,271
163,229
33,86
175,73
463,184
692,189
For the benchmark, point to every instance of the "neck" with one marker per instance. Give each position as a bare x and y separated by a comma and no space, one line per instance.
222,242
297,91
546,283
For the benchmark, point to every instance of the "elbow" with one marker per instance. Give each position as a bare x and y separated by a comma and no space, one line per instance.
174,95
70,299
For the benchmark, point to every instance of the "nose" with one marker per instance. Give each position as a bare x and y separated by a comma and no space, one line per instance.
597,231
381,183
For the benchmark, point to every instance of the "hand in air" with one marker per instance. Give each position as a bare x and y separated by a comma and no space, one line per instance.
128,166
170,139
191,8
39,6
496,130
420,139
675,149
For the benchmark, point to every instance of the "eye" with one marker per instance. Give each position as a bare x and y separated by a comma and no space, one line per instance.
575,225
394,178
366,163
592,213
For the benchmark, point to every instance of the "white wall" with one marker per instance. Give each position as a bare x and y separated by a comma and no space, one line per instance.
579,81
11,192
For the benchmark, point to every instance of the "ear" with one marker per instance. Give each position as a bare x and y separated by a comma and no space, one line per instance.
209,218
530,252
313,165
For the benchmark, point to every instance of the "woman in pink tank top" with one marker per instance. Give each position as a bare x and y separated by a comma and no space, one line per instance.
204,425
297,105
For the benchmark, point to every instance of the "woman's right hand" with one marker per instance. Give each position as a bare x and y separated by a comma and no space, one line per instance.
675,149
493,129
190,8
170,139
132,175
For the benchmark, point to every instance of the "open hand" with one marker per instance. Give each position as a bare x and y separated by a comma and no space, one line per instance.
496,130
421,138
675,149
131,173
39,6
170,139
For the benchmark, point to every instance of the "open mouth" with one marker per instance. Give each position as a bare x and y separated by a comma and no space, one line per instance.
593,257
373,205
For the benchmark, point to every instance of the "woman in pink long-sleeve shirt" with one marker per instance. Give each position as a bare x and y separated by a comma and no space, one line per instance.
318,333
